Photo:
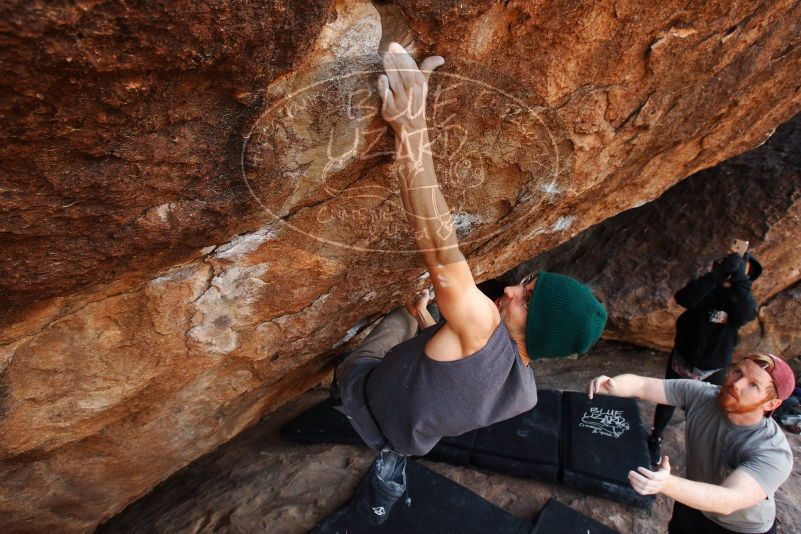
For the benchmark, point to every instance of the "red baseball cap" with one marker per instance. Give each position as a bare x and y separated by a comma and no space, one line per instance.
782,375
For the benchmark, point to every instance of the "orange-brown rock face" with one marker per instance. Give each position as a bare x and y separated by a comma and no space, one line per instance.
637,260
120,139
199,202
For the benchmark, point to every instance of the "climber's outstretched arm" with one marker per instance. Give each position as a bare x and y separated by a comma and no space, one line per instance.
403,88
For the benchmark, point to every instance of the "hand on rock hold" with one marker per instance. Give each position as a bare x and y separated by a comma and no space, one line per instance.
417,304
403,89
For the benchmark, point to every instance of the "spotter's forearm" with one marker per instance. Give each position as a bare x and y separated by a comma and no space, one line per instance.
702,496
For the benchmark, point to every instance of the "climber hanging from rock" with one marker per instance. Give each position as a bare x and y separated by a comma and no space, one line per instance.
403,390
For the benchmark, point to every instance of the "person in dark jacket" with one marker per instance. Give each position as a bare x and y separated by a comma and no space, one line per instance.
717,305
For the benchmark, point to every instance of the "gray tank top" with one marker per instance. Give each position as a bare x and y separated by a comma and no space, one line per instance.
416,400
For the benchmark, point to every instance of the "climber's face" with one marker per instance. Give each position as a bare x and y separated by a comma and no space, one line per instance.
513,305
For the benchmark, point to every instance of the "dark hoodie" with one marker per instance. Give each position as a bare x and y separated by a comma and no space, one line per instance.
706,333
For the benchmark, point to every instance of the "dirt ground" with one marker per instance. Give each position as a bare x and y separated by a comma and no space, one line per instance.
259,483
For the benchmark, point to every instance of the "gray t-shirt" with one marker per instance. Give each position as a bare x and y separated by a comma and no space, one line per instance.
716,448
416,401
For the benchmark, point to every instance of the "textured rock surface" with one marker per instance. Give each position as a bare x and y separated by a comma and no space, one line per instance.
120,138
257,483
154,303
639,259
779,320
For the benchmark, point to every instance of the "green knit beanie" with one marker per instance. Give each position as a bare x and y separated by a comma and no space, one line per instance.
564,317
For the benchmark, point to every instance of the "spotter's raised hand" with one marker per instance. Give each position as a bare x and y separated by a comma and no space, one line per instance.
600,384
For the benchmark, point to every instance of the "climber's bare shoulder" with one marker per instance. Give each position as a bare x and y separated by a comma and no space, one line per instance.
471,317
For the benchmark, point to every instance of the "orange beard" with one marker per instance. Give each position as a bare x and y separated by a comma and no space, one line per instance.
732,404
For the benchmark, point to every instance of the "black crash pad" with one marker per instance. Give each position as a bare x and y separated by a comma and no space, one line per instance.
456,450
558,517
321,423
438,505
546,443
602,440
526,445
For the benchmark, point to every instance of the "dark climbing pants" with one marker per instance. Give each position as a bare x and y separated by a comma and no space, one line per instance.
688,520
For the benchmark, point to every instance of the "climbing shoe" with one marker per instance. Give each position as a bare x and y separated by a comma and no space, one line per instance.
383,486
655,450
